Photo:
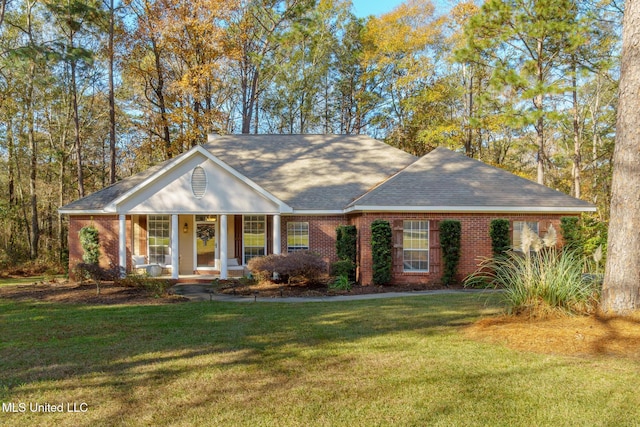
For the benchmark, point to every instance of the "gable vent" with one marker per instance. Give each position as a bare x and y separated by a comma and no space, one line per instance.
198,182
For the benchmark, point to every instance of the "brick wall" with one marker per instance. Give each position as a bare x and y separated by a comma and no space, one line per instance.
108,228
476,242
322,234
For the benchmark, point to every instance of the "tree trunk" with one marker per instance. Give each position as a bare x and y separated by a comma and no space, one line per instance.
112,100
621,289
76,122
33,149
577,140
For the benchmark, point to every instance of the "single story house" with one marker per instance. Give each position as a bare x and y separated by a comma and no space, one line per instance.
211,209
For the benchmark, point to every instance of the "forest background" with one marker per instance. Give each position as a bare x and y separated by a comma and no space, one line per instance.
92,91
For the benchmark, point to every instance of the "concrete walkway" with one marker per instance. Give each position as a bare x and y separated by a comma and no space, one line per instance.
203,293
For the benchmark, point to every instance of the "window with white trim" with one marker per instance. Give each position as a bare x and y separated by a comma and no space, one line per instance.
518,226
415,246
254,236
297,236
159,239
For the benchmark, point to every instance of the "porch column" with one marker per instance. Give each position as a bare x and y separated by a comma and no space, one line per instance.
223,247
122,244
276,235
175,248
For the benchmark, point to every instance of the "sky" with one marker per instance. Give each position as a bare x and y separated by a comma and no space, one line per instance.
364,8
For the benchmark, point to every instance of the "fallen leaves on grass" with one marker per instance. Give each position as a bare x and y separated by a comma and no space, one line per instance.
596,335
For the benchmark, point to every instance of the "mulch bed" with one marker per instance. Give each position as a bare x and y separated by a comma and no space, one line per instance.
84,293
269,289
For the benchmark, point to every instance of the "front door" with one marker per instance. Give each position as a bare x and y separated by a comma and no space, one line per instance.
206,241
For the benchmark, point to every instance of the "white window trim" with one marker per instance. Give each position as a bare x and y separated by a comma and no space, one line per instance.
428,250
266,237
301,248
168,217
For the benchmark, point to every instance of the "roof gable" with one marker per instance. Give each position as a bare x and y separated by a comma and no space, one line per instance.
167,188
173,193
311,172
445,180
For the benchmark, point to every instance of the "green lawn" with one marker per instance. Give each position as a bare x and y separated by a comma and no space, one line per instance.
362,363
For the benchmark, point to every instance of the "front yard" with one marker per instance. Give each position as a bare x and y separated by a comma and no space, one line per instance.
405,361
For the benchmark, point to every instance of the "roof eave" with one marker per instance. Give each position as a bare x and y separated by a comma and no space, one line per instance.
472,209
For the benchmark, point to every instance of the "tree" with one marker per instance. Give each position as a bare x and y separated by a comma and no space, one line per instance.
526,42
621,288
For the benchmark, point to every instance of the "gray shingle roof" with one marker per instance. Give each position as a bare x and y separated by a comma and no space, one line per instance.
334,172
315,172
444,178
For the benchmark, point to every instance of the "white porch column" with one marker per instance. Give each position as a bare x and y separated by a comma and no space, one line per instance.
175,248
223,247
122,244
276,235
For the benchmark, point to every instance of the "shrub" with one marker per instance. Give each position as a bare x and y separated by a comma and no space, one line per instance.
585,234
153,286
450,236
540,283
570,228
97,274
303,264
346,242
90,241
381,251
500,239
346,249
342,283
344,267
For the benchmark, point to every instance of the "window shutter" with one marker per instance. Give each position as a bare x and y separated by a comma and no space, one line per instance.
237,237
435,251
397,230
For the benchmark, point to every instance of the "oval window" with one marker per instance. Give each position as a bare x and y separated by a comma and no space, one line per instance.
198,182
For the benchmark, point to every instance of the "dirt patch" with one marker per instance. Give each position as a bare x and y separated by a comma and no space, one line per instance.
84,293
595,335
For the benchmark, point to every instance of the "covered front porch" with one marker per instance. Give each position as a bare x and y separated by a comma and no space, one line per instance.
191,245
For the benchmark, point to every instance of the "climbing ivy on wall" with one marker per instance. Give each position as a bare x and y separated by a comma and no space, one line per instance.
381,251
450,237
500,239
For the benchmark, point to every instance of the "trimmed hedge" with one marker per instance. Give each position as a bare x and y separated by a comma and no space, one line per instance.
304,264
500,237
346,240
347,251
381,251
450,237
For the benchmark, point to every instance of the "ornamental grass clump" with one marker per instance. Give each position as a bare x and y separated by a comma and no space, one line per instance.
540,280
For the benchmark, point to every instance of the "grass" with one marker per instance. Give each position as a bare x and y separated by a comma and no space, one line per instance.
381,362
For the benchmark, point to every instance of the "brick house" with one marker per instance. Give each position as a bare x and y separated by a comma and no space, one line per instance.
213,208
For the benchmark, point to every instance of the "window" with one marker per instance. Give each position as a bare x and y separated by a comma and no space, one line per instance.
518,226
254,236
415,246
297,236
159,232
